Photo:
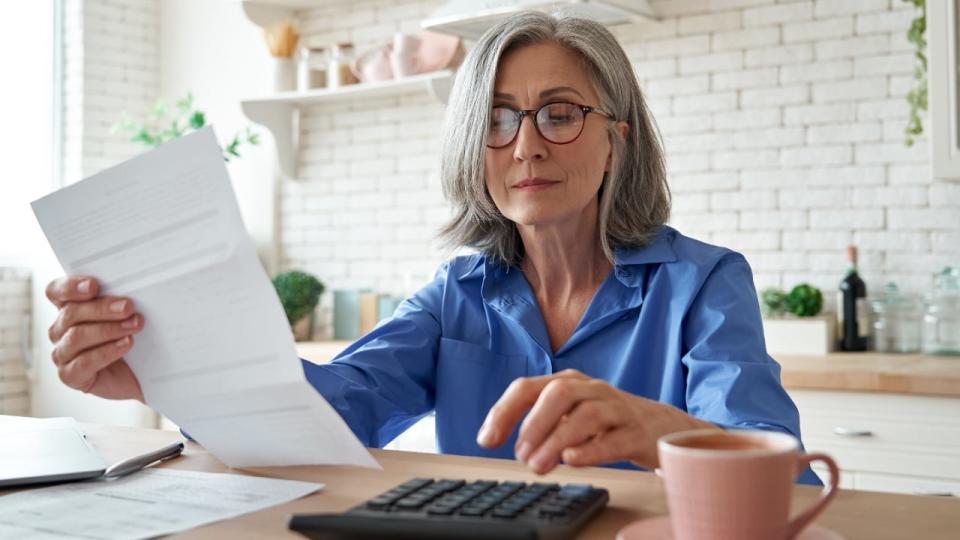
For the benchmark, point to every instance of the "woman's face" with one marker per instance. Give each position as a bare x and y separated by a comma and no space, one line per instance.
533,181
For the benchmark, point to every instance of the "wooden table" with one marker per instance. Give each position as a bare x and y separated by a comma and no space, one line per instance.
634,495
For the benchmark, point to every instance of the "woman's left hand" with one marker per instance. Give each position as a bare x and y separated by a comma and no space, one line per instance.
581,421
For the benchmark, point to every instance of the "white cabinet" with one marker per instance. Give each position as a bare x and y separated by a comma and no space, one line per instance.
944,45
885,442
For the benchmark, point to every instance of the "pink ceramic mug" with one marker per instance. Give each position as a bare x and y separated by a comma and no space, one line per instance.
736,485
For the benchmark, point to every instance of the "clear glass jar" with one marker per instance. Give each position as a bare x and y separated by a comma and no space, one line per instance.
340,73
312,69
896,321
941,321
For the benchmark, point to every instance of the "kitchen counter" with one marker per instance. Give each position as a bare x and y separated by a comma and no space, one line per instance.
911,374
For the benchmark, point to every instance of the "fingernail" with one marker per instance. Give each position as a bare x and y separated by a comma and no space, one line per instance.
485,437
123,342
538,462
522,451
83,287
129,323
118,306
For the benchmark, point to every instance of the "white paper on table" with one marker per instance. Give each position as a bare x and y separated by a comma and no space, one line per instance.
146,504
216,354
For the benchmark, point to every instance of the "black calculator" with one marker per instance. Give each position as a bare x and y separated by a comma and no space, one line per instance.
428,509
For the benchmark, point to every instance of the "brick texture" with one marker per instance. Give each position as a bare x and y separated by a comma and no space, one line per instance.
14,321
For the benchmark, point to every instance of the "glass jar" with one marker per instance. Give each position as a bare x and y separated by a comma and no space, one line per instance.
312,69
340,73
896,321
941,322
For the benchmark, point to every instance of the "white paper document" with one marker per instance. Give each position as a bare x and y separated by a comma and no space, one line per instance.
216,354
146,504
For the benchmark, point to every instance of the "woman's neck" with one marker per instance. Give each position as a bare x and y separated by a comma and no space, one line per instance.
564,259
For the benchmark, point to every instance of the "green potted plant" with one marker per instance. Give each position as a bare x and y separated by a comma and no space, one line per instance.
791,321
299,293
163,124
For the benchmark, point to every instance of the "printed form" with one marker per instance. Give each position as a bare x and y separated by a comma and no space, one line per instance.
216,354
146,504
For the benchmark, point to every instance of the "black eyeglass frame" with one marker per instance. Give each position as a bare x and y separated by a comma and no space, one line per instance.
532,113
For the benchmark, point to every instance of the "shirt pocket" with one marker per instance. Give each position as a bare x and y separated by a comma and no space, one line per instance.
470,379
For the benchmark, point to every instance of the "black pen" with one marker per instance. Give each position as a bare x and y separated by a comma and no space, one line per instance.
136,463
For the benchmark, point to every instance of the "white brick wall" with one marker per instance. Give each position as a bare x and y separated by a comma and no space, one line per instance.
783,123
111,65
14,318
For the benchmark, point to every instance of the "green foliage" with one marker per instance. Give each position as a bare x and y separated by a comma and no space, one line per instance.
773,301
917,98
163,124
299,293
804,300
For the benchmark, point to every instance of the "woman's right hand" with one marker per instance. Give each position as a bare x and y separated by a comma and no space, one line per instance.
90,337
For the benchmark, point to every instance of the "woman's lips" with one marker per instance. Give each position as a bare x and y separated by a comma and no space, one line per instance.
534,184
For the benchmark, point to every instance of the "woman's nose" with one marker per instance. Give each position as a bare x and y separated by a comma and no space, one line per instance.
530,145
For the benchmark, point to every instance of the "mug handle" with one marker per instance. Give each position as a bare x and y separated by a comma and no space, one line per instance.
800,522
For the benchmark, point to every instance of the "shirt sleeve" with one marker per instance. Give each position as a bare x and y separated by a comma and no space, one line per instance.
731,380
386,381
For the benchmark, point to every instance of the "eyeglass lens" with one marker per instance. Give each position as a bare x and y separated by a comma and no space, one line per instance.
557,122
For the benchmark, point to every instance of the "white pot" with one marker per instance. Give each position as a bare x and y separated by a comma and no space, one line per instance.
284,74
800,335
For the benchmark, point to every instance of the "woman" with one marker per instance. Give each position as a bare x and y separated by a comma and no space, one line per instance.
582,331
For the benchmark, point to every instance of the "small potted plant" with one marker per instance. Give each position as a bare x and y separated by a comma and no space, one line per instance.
791,324
299,292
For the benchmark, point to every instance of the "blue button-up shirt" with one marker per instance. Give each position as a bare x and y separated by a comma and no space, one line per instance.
676,321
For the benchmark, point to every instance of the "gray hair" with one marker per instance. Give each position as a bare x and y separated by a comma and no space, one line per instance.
634,196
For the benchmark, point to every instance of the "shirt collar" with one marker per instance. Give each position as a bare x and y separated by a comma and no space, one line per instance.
660,250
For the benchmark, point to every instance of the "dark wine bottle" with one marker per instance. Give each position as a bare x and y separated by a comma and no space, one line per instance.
852,325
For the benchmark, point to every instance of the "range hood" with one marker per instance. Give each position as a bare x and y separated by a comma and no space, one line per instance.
471,18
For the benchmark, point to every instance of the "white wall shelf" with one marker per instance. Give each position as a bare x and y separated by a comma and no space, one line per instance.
280,112
265,13
471,18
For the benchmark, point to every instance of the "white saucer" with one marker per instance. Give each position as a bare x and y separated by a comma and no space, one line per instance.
658,528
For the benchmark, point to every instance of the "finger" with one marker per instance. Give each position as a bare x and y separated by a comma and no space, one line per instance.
559,398
108,308
513,404
81,337
587,419
605,447
72,289
81,373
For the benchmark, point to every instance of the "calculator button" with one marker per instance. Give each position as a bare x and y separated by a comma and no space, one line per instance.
450,485
472,511
575,491
441,510
410,502
505,512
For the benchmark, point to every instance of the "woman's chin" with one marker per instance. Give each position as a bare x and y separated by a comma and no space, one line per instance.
541,217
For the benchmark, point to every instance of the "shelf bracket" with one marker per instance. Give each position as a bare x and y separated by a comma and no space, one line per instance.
283,122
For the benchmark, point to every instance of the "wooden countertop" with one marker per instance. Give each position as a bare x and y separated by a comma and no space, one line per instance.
633,495
915,374
912,374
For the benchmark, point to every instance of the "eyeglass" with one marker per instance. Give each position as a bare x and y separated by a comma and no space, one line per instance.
558,122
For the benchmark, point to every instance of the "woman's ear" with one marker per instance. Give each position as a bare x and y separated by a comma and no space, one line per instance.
622,129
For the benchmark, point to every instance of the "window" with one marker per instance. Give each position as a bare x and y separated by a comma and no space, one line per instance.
28,147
